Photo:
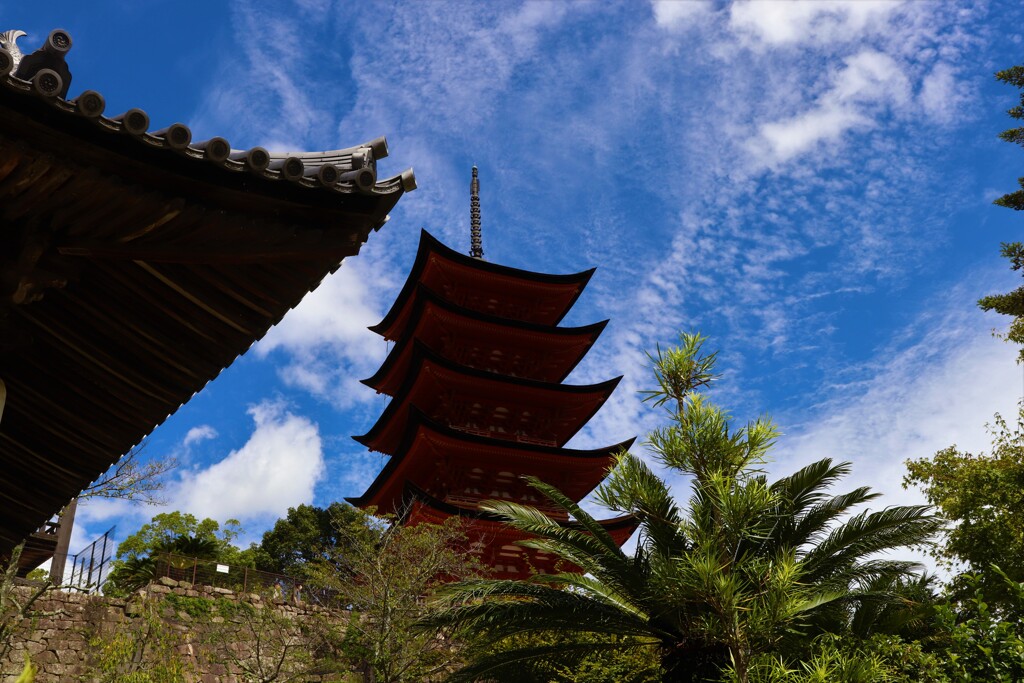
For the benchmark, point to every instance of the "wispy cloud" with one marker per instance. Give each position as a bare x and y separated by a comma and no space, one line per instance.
675,14
324,341
867,81
786,23
199,434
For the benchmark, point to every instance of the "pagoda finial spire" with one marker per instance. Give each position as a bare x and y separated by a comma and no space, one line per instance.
476,246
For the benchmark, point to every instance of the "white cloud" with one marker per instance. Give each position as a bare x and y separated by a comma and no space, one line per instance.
277,468
942,96
198,434
938,392
867,85
325,339
677,13
336,313
788,22
786,139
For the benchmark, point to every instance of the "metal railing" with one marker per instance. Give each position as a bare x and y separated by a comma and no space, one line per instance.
219,575
215,574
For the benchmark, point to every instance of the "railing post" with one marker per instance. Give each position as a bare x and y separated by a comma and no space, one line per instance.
89,582
103,563
245,579
195,564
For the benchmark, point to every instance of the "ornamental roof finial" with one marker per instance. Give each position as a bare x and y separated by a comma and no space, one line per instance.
476,247
9,42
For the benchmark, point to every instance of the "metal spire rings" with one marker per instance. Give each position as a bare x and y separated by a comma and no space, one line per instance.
476,247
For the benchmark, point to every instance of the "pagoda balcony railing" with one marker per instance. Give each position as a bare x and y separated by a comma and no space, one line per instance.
463,501
520,438
49,528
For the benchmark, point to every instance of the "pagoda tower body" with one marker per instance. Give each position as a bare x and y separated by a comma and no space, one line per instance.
478,401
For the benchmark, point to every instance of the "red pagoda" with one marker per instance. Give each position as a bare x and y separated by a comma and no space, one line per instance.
475,377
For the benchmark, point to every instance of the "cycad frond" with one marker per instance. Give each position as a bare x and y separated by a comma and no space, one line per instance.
593,551
868,533
582,517
807,486
504,608
813,526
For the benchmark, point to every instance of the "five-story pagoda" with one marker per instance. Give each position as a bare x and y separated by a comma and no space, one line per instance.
475,377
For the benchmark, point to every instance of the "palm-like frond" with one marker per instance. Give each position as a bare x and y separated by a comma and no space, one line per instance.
503,608
868,533
590,548
806,487
813,525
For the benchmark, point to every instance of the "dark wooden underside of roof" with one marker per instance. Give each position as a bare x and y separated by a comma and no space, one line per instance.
127,284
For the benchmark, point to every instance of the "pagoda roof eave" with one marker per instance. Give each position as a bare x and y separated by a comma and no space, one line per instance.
424,296
414,493
422,354
419,421
431,245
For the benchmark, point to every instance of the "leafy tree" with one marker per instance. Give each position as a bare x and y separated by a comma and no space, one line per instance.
1012,303
1014,76
307,535
165,527
174,533
391,569
746,568
983,495
980,645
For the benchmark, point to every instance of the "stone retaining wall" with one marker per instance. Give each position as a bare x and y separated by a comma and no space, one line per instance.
66,636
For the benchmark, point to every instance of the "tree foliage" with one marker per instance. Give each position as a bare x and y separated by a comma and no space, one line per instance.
165,527
1014,76
983,496
307,536
744,567
391,570
177,534
1012,303
979,644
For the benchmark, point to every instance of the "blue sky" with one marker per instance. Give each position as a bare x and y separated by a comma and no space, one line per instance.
808,183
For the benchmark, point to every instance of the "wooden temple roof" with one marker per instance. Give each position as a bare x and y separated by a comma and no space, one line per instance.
432,450
136,266
498,542
472,283
542,352
471,399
